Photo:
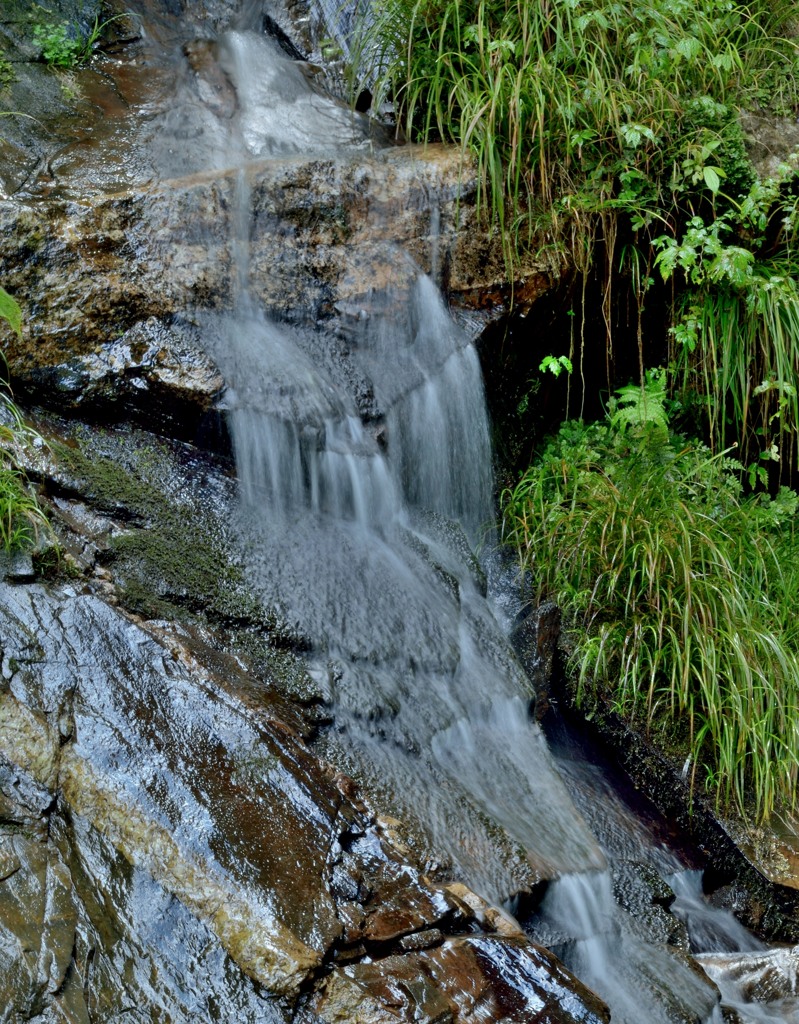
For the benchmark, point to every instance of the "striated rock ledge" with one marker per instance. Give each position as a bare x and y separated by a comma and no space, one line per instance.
130,772
114,285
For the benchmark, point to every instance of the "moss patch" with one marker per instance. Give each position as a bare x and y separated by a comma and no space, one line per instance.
171,548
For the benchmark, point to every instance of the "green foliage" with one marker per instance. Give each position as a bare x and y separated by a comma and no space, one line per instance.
735,338
10,311
60,47
63,46
639,405
556,365
7,73
609,128
579,110
21,518
680,592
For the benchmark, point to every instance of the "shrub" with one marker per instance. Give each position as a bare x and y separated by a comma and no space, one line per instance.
678,591
606,134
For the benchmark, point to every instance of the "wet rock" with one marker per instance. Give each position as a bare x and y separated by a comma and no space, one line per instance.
645,898
121,741
737,899
175,811
38,919
490,916
154,370
16,567
535,640
421,940
460,981
58,932
9,861
763,984
23,802
543,989
28,741
383,993
215,87
771,142
763,977
22,913
107,270
772,848
402,905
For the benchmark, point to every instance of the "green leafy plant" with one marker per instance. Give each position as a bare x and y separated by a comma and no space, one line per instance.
556,365
7,73
10,311
21,518
677,589
60,47
735,339
638,405
63,46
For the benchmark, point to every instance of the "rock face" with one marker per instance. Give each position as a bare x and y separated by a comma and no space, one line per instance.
535,640
107,330
155,827
116,258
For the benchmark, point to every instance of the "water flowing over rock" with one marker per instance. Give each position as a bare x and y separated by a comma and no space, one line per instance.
114,258
168,845
761,987
186,822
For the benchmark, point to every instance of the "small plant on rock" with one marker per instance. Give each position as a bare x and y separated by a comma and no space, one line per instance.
64,47
7,73
21,518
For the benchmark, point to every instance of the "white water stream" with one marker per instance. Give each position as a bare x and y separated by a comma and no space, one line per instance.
360,534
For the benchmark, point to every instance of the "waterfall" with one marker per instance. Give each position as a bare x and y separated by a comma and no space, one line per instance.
639,981
360,531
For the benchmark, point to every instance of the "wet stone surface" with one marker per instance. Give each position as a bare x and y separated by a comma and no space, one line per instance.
462,979
119,199
165,845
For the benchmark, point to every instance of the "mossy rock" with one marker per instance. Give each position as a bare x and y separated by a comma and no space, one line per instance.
171,544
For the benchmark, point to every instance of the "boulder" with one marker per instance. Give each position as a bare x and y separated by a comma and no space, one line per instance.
160,823
459,981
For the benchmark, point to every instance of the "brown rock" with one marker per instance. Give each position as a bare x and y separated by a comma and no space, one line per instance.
464,980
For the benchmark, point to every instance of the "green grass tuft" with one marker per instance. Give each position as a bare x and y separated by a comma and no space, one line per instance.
22,521
678,592
606,137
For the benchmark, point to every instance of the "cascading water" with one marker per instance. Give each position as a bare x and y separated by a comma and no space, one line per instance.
359,534
356,535
638,980
610,946
429,705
